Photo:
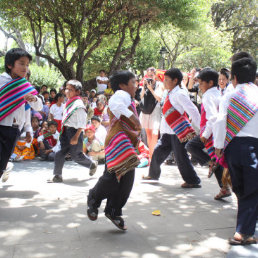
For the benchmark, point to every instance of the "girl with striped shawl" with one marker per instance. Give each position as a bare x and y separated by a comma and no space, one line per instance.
121,158
236,135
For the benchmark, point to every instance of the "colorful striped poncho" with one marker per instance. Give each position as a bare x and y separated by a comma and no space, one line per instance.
121,141
179,123
70,107
12,96
240,111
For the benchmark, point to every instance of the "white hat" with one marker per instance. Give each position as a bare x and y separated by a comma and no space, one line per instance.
93,90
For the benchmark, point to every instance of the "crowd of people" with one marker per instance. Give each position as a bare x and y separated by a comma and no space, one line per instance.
126,123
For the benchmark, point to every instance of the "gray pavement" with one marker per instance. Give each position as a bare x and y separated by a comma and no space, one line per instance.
49,220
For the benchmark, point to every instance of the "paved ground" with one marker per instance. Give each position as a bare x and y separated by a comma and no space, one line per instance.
49,220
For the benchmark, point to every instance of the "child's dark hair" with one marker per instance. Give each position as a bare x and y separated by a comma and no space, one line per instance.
208,74
53,90
49,123
44,85
13,55
225,72
240,55
120,77
35,117
175,73
101,101
45,92
244,69
102,71
37,88
57,96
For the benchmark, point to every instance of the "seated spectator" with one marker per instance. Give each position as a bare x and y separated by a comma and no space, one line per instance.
36,114
52,96
43,88
92,146
92,95
101,131
48,142
101,111
93,103
45,111
108,92
36,130
144,155
44,128
56,110
89,110
45,95
24,149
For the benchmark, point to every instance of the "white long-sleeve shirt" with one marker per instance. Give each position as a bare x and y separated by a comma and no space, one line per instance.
119,103
210,100
249,130
180,100
21,117
78,119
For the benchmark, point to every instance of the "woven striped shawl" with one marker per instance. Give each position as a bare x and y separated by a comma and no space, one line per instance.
121,143
12,96
179,123
240,111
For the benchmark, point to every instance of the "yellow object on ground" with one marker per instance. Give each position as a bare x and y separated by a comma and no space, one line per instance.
156,213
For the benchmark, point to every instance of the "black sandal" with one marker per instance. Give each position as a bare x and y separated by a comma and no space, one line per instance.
244,241
117,221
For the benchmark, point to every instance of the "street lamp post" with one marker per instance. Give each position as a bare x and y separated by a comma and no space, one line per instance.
163,52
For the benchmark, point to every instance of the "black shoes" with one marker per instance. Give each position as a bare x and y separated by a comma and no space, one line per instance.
56,179
93,168
92,211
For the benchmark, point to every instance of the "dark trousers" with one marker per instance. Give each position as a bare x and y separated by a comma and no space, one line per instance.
195,148
75,150
116,193
242,158
50,156
8,139
165,145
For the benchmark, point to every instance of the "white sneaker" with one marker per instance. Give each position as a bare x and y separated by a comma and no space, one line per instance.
93,167
7,171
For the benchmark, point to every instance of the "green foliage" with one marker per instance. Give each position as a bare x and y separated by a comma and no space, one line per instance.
240,18
45,75
2,69
147,52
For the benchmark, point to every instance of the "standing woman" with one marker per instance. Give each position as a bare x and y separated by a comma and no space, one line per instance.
224,85
56,110
151,89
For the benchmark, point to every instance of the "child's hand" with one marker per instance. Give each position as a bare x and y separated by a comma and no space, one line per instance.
218,152
30,98
203,140
28,137
74,140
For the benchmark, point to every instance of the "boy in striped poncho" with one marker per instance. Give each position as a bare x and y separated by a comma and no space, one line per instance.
16,98
121,158
71,135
